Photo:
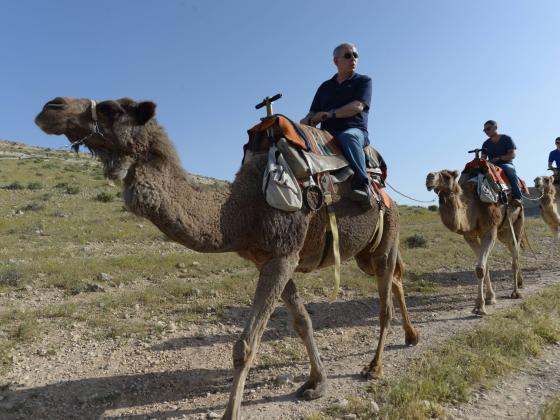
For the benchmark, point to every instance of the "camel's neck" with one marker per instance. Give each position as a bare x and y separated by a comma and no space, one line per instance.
160,190
548,198
453,211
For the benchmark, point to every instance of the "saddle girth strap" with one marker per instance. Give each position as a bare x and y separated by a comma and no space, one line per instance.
378,231
332,226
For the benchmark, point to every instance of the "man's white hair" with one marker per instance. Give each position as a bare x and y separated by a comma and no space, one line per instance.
338,49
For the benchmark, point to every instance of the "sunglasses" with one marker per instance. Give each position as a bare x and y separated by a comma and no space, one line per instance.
349,55
485,129
558,142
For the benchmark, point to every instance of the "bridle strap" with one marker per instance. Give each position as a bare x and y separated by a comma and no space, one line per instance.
95,125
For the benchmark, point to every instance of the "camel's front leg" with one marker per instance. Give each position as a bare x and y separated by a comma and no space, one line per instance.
272,279
316,385
490,297
486,244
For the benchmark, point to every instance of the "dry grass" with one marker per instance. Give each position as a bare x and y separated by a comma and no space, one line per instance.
469,361
66,225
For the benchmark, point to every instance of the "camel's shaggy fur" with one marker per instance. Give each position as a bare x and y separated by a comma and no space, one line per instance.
480,224
135,149
549,202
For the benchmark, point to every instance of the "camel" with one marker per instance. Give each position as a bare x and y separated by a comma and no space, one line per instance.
480,223
136,151
549,201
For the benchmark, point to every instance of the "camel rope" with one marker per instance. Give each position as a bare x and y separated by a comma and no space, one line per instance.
410,198
532,199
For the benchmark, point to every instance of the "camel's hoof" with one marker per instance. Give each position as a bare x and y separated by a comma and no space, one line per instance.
411,339
491,301
371,373
479,311
311,390
515,295
479,272
520,285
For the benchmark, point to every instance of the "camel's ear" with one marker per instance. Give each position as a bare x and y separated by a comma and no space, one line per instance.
455,174
144,112
111,109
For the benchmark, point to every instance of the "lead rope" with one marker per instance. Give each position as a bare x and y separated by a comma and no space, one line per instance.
410,198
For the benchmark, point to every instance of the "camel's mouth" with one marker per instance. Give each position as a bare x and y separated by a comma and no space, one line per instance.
430,182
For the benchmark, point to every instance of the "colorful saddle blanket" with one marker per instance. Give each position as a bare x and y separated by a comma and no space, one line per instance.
305,137
494,173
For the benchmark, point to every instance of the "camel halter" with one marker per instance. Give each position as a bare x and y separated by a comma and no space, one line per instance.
95,130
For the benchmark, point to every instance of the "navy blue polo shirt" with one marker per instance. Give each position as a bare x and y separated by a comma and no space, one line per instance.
332,95
554,156
495,150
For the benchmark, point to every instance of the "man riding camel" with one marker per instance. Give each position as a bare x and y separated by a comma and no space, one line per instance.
554,157
341,105
500,150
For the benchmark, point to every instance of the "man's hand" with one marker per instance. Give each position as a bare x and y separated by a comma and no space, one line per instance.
320,116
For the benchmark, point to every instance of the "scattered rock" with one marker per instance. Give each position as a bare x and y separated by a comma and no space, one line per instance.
195,264
341,403
282,380
180,265
374,406
351,416
104,277
212,415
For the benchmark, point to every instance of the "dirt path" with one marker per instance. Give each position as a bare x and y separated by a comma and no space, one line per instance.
519,395
187,374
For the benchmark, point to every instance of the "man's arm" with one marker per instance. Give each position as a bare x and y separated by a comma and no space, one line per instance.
307,119
509,156
345,111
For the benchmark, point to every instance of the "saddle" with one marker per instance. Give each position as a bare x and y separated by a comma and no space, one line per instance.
311,152
493,175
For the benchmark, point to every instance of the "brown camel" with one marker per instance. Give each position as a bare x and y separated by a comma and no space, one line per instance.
480,224
549,202
234,218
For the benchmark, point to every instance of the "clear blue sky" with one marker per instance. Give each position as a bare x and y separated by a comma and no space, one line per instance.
440,68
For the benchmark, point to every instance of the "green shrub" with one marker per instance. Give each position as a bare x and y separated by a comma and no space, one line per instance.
34,186
416,241
33,207
15,186
433,207
72,189
105,197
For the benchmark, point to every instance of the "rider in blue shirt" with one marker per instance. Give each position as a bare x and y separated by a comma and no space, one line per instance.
500,150
341,105
554,157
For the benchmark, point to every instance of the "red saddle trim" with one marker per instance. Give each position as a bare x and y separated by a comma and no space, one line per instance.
495,172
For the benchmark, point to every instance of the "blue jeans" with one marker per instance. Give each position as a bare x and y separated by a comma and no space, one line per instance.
509,170
352,142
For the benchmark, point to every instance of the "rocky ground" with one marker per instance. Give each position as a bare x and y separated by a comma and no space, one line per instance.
187,373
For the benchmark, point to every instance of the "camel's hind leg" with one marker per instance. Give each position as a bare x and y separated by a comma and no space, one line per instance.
274,275
383,266
315,386
411,335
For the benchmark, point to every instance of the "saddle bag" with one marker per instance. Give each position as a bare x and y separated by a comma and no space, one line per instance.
280,186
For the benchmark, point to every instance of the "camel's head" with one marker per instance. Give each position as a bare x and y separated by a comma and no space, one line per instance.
544,183
442,181
113,130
